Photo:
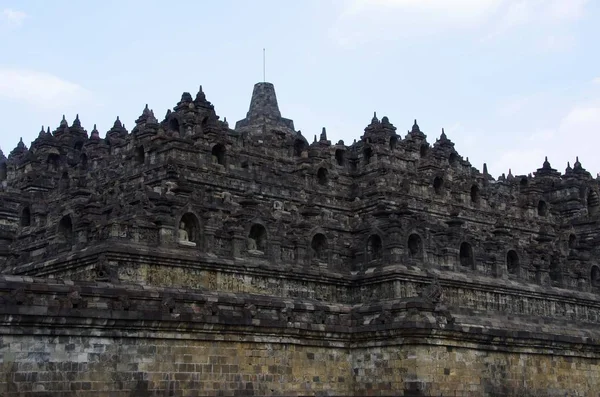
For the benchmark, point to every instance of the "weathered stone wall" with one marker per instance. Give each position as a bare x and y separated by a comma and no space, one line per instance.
172,365
431,370
66,338
82,365
186,257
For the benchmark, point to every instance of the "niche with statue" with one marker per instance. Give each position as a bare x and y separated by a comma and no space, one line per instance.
189,230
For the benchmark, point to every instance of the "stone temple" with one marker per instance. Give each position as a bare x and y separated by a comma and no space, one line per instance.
189,258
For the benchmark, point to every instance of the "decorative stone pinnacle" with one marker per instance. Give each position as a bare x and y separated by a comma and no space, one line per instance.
415,127
546,164
263,102
200,96
95,134
186,97
323,136
568,170
374,119
264,109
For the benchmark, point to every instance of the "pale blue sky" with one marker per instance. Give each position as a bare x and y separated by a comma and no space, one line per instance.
510,80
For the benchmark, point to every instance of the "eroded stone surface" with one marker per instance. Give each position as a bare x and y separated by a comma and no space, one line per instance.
189,258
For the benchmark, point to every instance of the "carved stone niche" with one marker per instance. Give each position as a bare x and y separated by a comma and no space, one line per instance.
188,233
319,249
256,243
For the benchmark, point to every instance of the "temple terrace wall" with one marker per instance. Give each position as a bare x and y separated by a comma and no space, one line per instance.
66,338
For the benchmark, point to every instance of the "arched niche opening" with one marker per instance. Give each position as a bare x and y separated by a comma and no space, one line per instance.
204,122
257,238
466,255
299,147
595,276
65,228
174,125
393,142
340,157
139,155
415,246
524,182
475,194
424,150
26,217
65,181
322,176
218,154
593,202
542,208
367,154
319,247
452,159
512,262
53,162
3,172
572,240
78,146
83,161
554,272
189,230
438,185
374,247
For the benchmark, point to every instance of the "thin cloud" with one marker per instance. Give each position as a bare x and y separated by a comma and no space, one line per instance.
42,90
527,154
515,14
365,20
596,80
12,17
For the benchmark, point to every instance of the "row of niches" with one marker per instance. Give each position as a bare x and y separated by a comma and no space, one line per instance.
323,177
327,250
375,253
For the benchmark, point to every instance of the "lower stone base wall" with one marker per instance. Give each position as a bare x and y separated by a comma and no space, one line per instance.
89,366
46,366
457,371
